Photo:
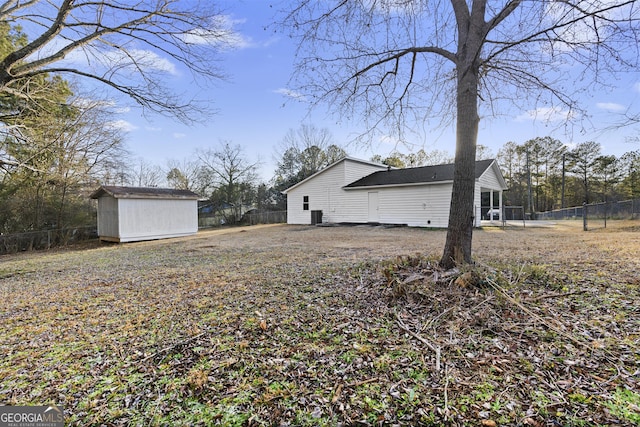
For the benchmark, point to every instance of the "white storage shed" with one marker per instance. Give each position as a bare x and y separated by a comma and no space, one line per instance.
130,214
417,197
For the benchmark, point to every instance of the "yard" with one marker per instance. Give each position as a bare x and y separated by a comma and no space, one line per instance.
297,325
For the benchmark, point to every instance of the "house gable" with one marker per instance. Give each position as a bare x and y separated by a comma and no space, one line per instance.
492,177
351,166
323,192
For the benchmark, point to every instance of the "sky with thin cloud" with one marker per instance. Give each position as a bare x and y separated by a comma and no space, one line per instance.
255,106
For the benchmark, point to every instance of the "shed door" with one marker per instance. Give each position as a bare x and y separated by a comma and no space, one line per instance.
373,207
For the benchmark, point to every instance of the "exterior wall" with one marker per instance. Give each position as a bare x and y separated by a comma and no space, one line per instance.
148,219
326,194
108,217
353,171
415,206
349,206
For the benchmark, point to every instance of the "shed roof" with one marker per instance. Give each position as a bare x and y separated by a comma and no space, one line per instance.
419,175
143,193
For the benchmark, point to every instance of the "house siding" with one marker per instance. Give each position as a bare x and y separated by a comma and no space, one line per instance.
350,206
477,201
353,171
318,192
415,206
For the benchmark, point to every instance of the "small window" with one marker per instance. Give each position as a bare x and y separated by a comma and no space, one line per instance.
305,203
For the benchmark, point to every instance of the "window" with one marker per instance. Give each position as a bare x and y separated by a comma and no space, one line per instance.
305,203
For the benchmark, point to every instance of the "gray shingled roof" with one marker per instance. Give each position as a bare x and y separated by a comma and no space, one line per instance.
421,175
143,193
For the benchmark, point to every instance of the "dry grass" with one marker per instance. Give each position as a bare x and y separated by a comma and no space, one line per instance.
287,325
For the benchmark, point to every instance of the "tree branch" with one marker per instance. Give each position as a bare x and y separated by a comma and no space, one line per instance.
21,165
6,66
537,36
167,28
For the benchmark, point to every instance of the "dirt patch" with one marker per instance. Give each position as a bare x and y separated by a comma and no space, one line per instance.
291,325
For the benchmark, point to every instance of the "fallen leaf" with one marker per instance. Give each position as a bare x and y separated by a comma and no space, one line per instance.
532,422
336,396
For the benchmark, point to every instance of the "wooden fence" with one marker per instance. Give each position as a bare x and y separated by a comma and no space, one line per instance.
267,217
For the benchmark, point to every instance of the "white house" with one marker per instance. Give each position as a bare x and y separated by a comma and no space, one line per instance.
356,191
129,214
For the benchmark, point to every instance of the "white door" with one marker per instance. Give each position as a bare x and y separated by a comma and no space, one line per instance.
373,207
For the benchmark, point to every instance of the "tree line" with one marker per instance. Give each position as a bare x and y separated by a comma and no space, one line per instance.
544,174
49,183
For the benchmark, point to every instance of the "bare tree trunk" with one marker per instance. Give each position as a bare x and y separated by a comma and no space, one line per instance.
457,248
471,27
63,199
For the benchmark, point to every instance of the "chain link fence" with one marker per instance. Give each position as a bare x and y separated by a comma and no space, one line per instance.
595,215
44,239
626,209
558,214
47,239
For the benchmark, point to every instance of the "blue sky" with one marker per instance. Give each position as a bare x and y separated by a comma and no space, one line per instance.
255,111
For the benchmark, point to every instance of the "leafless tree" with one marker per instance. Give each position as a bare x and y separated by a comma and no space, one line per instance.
185,174
303,152
307,135
127,46
397,63
232,176
147,174
317,144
